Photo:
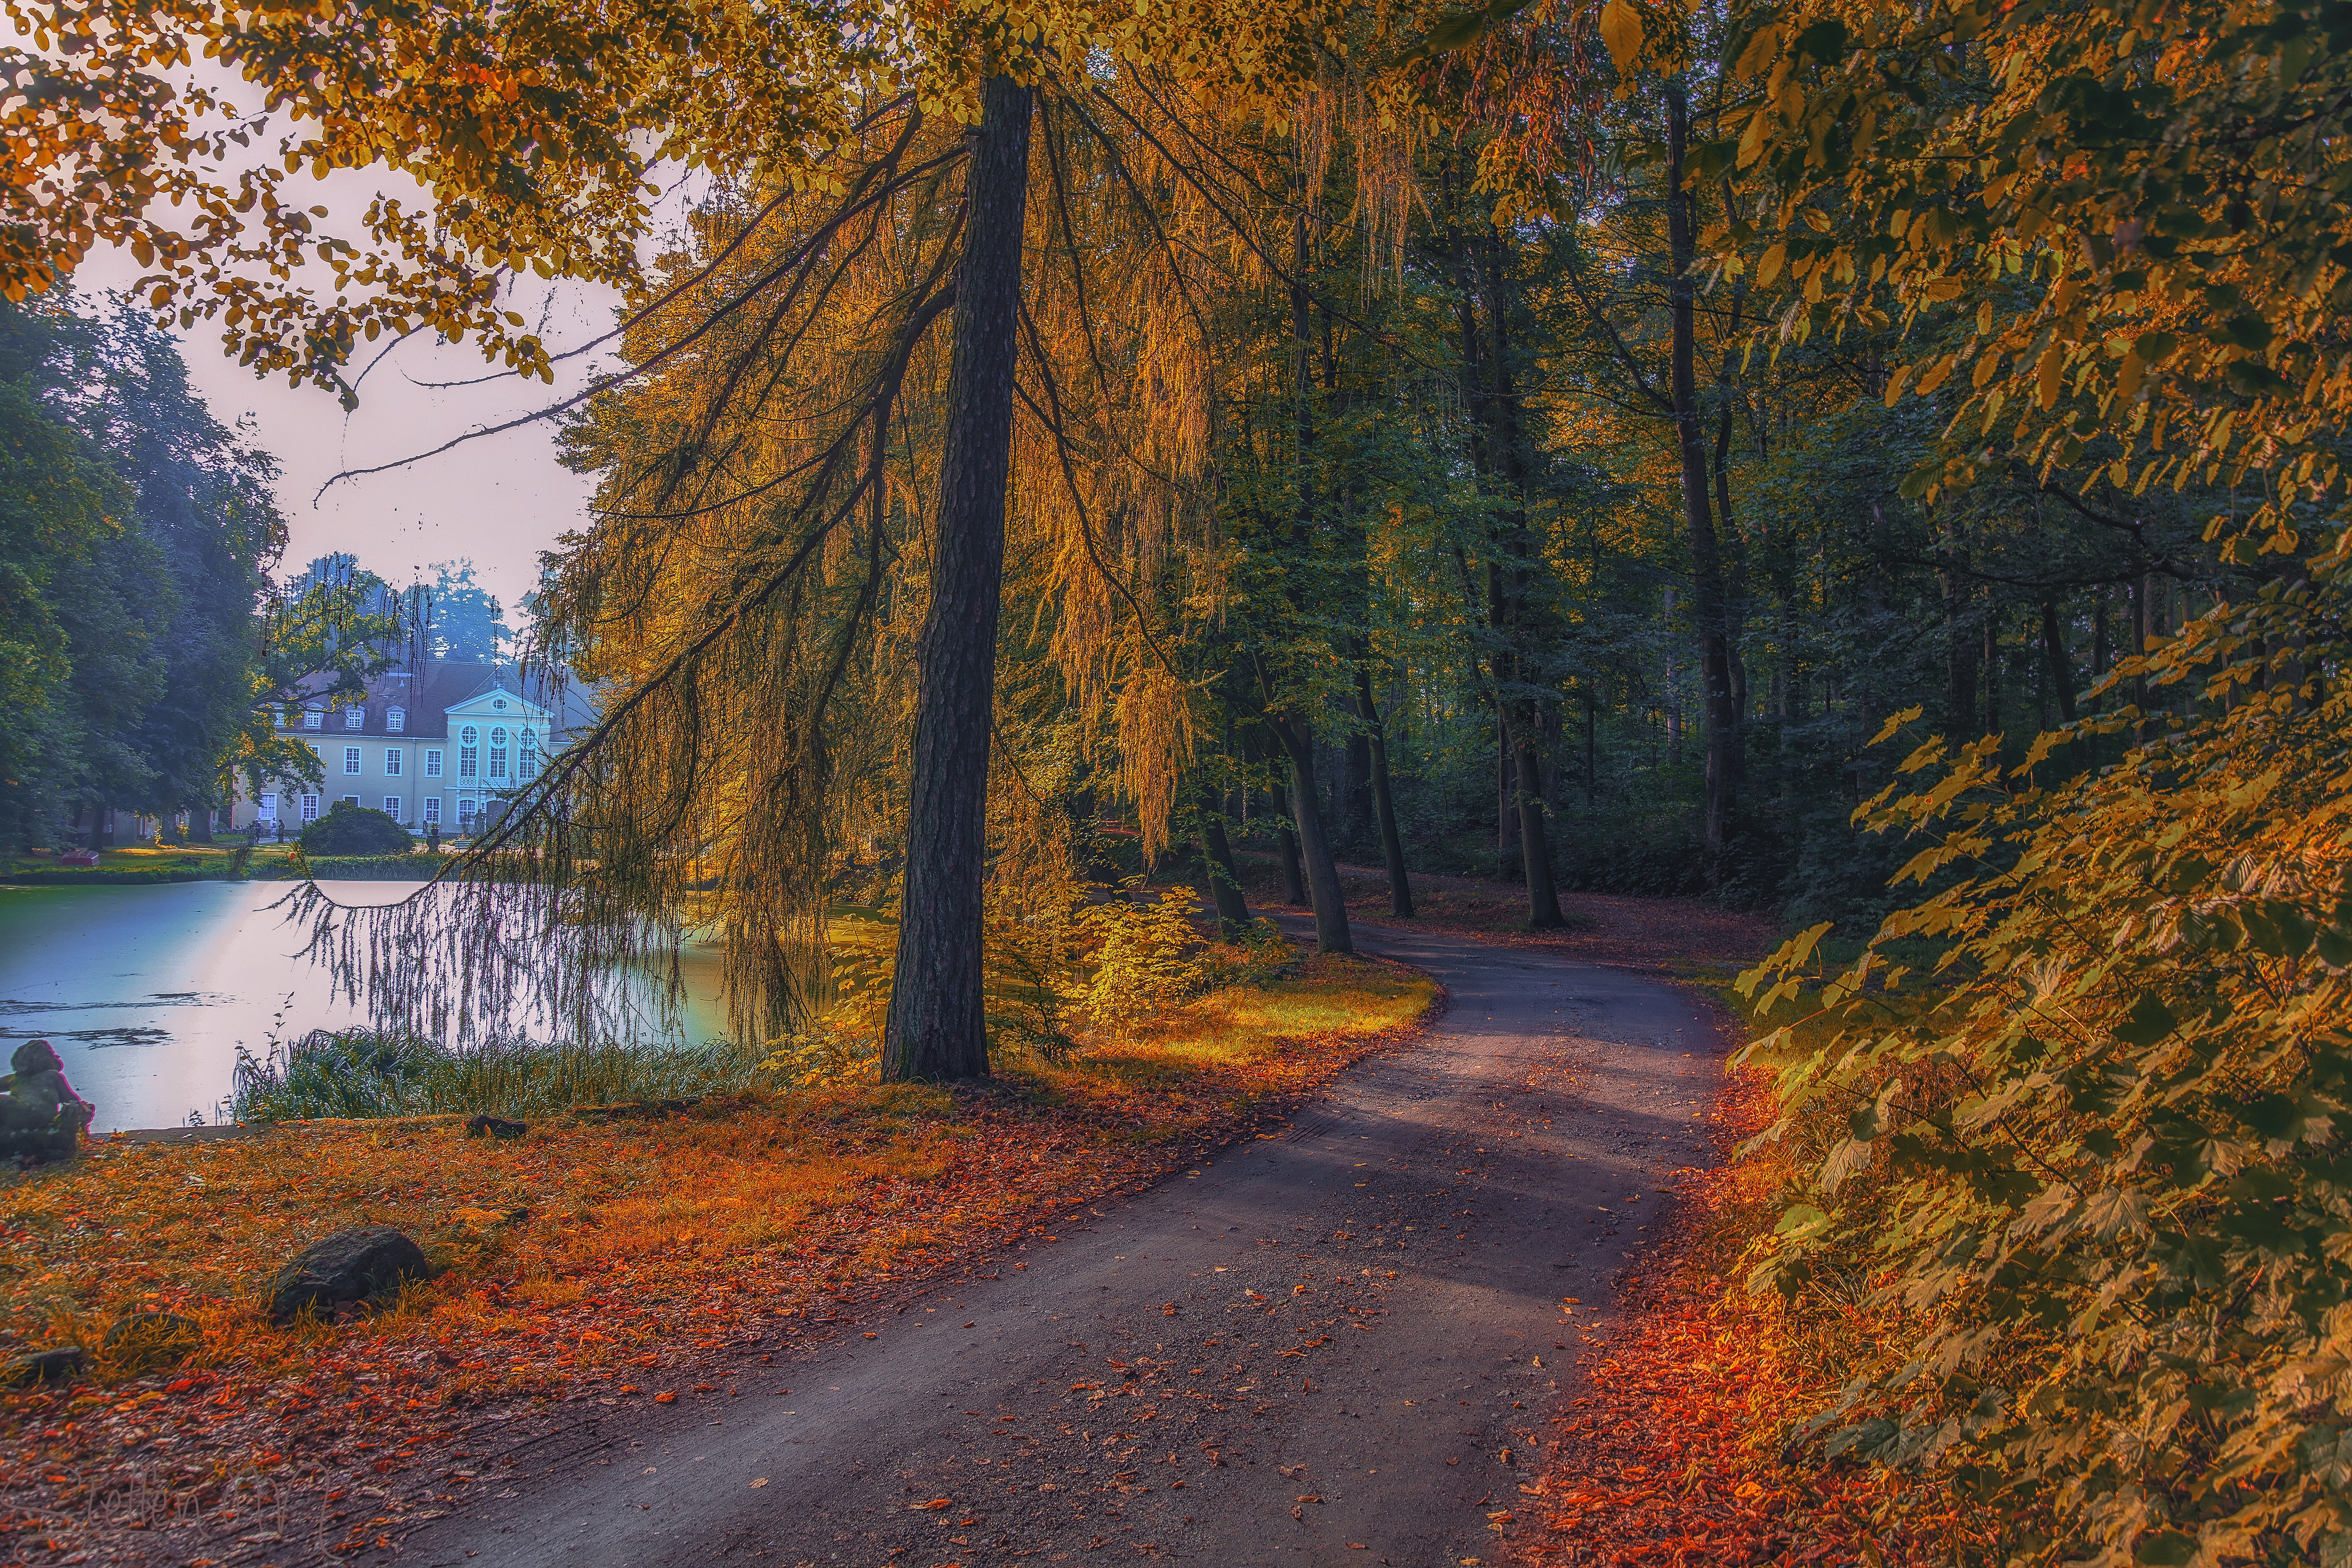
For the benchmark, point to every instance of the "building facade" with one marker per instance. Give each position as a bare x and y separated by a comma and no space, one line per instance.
433,747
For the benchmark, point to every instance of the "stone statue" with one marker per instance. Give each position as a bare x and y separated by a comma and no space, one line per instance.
40,1115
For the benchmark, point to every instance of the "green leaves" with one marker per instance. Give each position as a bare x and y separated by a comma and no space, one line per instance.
2104,1164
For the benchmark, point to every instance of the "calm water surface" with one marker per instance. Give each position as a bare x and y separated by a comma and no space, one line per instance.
149,992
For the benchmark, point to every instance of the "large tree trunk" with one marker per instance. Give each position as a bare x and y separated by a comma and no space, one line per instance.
1710,598
1297,739
1217,863
937,1026
1383,803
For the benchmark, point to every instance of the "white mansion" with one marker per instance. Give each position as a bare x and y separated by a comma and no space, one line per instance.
429,747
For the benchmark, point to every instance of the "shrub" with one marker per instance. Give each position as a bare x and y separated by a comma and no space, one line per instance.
2097,1176
348,829
1144,963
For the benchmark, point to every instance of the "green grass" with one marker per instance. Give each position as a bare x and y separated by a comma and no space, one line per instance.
362,1074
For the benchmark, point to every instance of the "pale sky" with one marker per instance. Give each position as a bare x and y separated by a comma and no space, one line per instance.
498,502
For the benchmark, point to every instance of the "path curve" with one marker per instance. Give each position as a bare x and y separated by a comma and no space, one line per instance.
1315,1348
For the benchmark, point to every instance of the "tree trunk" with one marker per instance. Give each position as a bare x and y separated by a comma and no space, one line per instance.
1591,753
1543,897
1992,670
1710,596
1294,880
1217,862
1507,817
1960,648
1383,803
2061,667
1357,794
937,1026
1322,876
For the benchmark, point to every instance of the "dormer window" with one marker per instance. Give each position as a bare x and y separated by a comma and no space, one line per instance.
353,718
281,716
395,720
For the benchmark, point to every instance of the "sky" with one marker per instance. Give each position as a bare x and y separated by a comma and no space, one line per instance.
498,501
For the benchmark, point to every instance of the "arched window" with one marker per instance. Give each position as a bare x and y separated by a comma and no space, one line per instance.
469,752
527,764
395,720
498,752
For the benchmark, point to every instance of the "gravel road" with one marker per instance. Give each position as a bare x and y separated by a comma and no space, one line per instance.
1337,1345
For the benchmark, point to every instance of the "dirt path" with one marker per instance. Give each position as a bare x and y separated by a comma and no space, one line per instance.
1332,1346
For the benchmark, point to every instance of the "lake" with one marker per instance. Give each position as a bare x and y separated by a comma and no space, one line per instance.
149,991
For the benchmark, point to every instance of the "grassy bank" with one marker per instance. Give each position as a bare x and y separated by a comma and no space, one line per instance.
588,1257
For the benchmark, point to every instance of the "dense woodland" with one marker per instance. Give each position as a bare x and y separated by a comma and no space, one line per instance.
1750,450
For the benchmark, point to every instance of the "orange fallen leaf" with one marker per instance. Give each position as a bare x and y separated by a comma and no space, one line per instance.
665,1397
936,1502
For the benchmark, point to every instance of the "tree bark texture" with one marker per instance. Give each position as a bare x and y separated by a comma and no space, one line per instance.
1293,878
938,1026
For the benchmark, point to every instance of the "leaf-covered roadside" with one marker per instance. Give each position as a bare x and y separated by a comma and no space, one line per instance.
1669,1455
584,1262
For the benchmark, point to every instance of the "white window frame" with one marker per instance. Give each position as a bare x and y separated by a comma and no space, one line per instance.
351,800
391,807
432,764
465,810
314,717
392,762
395,720
266,808
354,718
310,808
431,808
350,760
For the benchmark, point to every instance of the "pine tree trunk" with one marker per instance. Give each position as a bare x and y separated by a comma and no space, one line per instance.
1315,846
1383,803
937,1026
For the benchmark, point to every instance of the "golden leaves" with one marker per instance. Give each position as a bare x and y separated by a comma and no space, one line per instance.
1621,31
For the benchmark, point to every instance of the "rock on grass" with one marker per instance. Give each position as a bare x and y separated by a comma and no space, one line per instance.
354,1265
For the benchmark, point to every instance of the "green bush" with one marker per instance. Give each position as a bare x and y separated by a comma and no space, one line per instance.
348,829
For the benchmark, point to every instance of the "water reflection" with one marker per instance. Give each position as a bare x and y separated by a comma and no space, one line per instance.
148,991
